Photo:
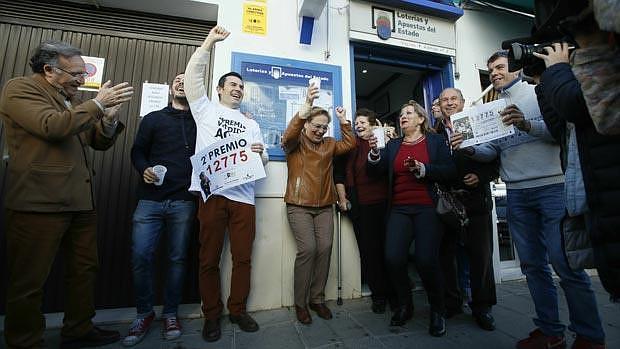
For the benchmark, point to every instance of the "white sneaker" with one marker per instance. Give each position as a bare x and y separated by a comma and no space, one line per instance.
172,328
138,329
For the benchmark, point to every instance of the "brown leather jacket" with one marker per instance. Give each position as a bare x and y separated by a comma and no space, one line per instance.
310,179
50,165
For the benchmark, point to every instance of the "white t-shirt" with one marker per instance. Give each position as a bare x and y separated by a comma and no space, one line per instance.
215,122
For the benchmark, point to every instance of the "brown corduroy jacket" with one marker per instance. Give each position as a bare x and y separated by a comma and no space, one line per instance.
49,167
310,165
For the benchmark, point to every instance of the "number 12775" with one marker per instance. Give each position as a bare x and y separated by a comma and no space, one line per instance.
225,161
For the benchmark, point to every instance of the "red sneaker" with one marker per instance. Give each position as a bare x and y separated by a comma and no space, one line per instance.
582,343
138,329
172,328
539,340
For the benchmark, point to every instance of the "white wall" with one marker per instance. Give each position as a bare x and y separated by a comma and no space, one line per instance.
478,36
274,247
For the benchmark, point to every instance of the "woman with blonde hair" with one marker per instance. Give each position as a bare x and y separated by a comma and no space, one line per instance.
310,194
413,163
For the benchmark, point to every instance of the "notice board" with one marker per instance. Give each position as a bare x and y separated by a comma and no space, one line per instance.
276,87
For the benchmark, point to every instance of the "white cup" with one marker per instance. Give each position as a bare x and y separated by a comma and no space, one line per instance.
160,172
379,133
316,81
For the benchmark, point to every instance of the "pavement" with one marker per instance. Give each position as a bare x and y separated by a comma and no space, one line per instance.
355,326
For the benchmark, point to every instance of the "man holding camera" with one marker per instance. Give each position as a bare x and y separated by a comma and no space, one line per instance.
589,155
530,167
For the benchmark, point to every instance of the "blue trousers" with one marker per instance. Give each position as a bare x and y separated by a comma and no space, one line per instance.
534,216
150,219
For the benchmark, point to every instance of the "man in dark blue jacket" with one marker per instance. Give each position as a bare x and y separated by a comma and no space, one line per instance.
590,157
167,138
473,182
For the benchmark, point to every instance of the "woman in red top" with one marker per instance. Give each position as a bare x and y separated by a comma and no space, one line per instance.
365,200
413,163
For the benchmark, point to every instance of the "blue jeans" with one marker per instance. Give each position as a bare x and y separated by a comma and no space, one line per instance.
149,220
534,216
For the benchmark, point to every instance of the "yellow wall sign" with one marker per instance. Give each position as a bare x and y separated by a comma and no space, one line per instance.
255,18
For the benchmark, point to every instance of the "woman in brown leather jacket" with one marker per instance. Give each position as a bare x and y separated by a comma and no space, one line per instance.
310,194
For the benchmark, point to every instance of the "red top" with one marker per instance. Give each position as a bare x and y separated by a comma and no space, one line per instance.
369,190
409,190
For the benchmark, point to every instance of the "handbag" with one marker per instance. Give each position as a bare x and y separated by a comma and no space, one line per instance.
450,208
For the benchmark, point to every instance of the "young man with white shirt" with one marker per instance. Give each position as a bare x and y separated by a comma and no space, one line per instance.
231,209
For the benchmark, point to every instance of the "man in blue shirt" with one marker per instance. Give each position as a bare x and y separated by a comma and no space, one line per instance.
166,137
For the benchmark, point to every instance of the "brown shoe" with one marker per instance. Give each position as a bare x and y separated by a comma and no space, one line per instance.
303,315
212,330
538,340
321,310
245,322
96,337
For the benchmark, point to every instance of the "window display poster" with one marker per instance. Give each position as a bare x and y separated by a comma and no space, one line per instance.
94,68
275,88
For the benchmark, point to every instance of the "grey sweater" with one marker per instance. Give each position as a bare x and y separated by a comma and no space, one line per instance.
528,159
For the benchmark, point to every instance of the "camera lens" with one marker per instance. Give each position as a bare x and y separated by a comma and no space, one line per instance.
517,51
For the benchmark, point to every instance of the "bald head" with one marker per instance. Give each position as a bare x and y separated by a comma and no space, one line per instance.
451,101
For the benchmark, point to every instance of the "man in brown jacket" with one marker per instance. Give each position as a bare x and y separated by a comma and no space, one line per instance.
49,201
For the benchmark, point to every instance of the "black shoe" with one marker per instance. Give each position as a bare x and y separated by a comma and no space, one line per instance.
245,322
95,338
402,315
437,327
452,312
485,321
211,330
378,306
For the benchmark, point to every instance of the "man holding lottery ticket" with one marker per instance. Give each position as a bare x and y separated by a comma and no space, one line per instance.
232,208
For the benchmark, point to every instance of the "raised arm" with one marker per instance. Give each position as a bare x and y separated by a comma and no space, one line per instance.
347,143
196,71
290,139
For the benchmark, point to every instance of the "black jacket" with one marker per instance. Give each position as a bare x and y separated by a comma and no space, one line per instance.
561,100
477,200
440,168
166,137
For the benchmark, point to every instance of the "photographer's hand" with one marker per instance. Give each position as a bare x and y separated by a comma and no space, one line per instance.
558,53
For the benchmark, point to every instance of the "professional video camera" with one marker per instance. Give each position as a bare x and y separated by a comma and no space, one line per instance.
553,23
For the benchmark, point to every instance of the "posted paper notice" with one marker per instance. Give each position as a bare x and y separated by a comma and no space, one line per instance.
154,97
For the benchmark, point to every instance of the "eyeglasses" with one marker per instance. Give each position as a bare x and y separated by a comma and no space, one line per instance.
451,99
75,75
319,126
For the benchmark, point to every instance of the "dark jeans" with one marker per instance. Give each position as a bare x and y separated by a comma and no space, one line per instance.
406,223
150,219
478,251
33,240
370,234
534,216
